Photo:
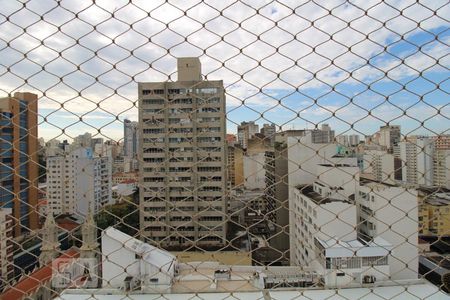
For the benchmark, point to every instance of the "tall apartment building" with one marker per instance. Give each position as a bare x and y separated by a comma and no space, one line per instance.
391,213
6,246
323,219
246,131
19,161
269,130
434,211
323,136
276,195
380,165
417,155
130,138
441,167
442,142
353,140
348,140
78,181
342,139
389,136
235,167
82,140
276,192
183,151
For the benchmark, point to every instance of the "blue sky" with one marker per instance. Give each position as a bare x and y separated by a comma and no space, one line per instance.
277,68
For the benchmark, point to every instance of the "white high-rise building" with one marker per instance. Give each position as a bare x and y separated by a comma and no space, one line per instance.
324,135
342,139
81,141
330,206
77,181
417,155
353,140
391,213
304,156
53,148
323,235
183,151
380,165
104,150
389,136
254,172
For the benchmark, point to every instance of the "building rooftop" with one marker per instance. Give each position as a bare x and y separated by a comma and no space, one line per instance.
309,192
153,255
370,182
32,282
337,165
339,248
419,290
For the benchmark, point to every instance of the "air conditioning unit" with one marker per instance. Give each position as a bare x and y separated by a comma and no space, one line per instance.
131,284
369,279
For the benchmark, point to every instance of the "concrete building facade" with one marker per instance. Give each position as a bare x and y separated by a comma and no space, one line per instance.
441,167
19,159
417,155
130,139
77,182
434,212
246,131
6,246
380,165
183,152
353,140
322,136
324,231
389,136
442,142
391,213
342,140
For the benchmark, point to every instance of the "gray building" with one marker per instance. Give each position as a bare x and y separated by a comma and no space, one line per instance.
183,160
322,136
390,136
130,139
268,130
246,131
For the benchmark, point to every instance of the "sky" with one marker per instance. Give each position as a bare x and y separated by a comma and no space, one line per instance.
355,65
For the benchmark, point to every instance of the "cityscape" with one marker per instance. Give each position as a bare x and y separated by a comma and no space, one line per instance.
218,178
298,208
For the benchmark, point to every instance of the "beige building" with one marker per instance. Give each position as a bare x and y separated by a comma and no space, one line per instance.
77,182
379,165
434,212
417,158
235,166
441,167
6,246
120,177
390,136
183,160
246,131
442,142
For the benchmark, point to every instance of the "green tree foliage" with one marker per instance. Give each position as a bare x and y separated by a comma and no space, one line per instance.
122,216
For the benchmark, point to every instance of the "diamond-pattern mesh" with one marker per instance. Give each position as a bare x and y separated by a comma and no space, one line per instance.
308,154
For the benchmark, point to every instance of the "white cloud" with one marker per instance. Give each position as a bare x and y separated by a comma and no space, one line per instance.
252,45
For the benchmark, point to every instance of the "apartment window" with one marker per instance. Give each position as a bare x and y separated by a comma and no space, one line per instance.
374,261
